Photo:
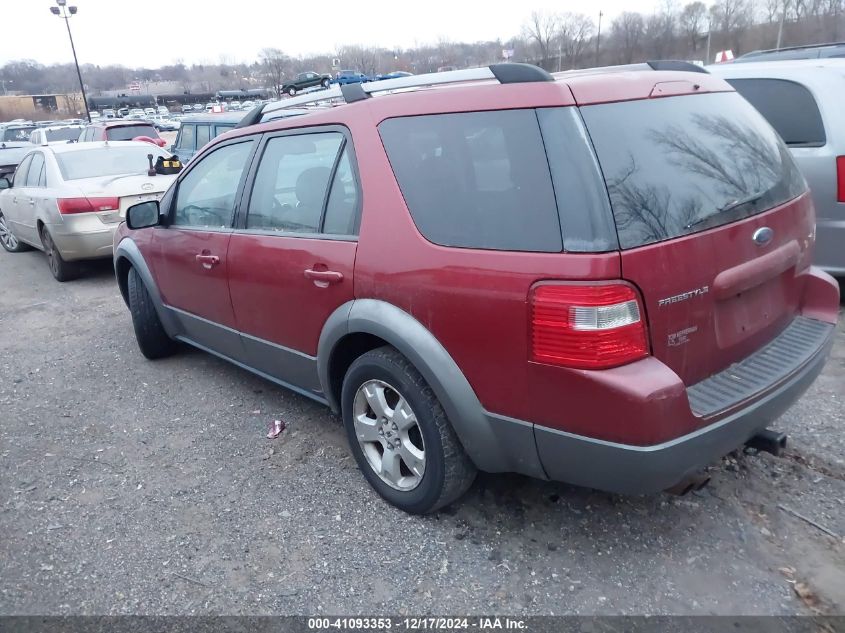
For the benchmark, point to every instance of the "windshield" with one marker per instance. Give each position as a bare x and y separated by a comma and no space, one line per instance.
679,165
107,161
128,132
63,134
18,133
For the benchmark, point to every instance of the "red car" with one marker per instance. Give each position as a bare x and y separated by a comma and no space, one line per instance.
121,131
602,278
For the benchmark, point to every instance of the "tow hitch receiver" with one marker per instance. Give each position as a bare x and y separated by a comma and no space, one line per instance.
772,442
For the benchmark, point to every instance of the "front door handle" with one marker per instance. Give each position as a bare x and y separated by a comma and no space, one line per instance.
208,261
322,278
31,202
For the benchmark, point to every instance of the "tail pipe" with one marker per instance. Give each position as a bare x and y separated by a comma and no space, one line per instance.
689,484
769,441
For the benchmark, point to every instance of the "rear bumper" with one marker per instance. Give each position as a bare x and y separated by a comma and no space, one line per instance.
83,244
629,469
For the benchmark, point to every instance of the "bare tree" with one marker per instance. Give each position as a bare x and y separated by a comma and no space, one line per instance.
627,34
574,33
275,64
692,20
542,30
361,58
659,33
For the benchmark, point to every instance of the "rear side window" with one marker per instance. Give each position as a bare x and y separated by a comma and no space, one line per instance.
788,106
679,165
35,170
186,137
476,180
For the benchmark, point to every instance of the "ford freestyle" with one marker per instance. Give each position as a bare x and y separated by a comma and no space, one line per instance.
601,277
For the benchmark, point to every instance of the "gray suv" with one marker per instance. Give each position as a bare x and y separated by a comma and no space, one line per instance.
802,99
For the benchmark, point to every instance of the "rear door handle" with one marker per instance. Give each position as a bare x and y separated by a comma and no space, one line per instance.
31,202
208,261
323,278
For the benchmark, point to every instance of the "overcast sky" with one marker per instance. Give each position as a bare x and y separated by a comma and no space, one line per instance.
156,32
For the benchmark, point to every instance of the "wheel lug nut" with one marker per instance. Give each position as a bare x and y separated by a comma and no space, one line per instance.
394,427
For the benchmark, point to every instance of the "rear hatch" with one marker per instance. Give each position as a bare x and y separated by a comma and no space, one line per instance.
714,223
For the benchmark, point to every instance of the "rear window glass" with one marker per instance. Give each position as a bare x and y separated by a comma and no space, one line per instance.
476,180
63,134
128,132
106,161
679,165
788,106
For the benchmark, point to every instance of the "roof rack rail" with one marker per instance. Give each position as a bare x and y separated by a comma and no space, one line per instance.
800,47
657,64
505,73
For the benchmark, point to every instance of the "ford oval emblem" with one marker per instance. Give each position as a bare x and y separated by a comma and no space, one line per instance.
148,186
763,236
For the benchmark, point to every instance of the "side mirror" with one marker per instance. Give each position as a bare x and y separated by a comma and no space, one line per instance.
5,183
143,215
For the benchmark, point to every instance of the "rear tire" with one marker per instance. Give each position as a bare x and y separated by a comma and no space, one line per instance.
7,239
152,338
325,83
406,449
291,91
62,270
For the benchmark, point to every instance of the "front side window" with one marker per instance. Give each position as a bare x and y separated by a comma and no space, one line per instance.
35,169
206,195
128,132
186,137
21,171
203,135
290,187
476,180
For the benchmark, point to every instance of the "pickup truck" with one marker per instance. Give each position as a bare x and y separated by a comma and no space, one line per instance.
305,80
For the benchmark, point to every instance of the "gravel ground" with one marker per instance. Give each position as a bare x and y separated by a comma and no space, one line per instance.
130,486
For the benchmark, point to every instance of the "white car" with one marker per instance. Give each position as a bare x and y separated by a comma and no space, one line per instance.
248,105
56,134
150,111
163,110
68,199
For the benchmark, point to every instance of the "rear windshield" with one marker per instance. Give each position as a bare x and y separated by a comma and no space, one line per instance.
18,133
106,161
679,165
128,132
788,106
64,134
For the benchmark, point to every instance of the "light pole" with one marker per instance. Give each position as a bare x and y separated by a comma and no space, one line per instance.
65,12
4,82
598,39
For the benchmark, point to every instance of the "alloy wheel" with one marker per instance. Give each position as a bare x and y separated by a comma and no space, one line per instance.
389,435
6,237
50,251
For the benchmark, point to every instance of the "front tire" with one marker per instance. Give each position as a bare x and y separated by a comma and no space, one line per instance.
7,239
325,83
400,435
152,338
62,270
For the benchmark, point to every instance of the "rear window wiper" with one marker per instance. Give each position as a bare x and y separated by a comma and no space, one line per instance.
726,208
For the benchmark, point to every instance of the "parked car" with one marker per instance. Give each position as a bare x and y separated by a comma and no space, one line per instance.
163,123
198,107
125,130
196,131
11,154
108,113
56,134
573,279
248,105
137,111
305,80
396,74
17,133
350,77
802,100
186,108
810,51
209,106
162,110
233,106
68,199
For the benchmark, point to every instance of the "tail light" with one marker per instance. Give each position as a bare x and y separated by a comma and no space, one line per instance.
69,206
587,326
840,178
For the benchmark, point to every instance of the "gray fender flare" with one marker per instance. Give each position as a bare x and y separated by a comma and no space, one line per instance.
128,250
485,445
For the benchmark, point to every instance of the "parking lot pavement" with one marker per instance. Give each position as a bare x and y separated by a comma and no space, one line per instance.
130,486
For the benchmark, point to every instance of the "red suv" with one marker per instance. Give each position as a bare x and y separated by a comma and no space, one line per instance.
121,131
601,278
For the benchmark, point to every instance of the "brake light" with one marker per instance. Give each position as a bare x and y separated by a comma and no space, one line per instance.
87,205
587,326
840,178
